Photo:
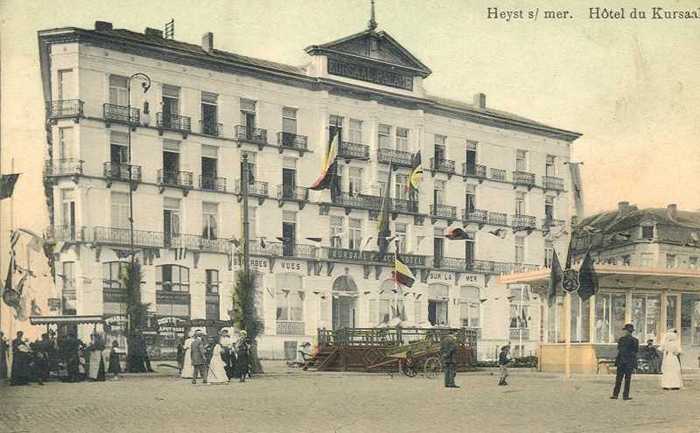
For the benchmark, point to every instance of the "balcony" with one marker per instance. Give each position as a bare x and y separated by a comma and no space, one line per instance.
442,165
292,193
283,249
288,140
499,175
174,178
122,237
357,256
113,113
395,157
443,211
478,216
251,135
256,188
200,243
289,327
212,183
498,219
523,178
358,201
64,167
553,183
474,170
174,122
210,127
115,171
348,150
400,205
64,109
551,222
523,222
517,333
66,233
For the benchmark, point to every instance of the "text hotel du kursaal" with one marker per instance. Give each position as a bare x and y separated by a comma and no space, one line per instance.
593,13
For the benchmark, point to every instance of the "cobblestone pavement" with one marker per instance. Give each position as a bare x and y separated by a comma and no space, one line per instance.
335,402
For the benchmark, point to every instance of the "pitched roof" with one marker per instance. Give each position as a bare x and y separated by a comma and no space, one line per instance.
612,221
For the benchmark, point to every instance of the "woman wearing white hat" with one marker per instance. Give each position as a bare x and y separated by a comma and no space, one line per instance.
187,369
671,368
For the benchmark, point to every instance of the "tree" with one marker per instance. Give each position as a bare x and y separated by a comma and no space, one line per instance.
131,278
245,315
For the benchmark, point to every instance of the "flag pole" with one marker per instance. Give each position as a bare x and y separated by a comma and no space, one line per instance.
567,335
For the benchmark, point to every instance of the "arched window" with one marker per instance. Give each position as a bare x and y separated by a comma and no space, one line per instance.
289,297
172,278
469,307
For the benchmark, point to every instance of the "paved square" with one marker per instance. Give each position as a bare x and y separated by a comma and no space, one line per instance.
335,402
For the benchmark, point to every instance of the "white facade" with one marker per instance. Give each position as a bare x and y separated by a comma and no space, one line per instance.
90,211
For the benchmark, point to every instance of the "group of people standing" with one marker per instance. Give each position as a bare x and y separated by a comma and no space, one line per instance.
215,362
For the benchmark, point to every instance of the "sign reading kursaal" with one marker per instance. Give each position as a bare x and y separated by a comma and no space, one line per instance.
370,74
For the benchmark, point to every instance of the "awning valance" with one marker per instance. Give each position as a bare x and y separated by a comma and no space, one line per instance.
65,320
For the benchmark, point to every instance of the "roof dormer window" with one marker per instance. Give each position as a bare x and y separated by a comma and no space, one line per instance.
647,231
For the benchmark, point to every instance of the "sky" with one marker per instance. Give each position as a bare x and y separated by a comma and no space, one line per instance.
631,87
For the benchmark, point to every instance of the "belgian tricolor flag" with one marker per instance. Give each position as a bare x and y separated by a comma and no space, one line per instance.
383,230
457,234
416,176
328,167
402,274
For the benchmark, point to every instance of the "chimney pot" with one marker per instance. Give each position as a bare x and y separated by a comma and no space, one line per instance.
480,101
103,25
208,42
153,33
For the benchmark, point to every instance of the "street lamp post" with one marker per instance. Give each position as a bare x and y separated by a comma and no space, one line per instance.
146,84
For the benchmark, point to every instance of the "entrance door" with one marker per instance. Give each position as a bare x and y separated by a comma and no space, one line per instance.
471,162
249,118
343,312
289,238
437,251
171,226
171,167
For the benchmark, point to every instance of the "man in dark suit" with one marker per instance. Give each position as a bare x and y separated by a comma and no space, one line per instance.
448,350
199,357
626,361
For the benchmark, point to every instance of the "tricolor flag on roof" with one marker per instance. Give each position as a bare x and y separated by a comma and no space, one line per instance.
402,273
328,167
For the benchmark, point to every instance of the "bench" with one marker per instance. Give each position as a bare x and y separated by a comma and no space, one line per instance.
605,355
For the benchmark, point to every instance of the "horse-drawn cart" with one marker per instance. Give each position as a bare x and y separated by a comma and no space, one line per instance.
422,355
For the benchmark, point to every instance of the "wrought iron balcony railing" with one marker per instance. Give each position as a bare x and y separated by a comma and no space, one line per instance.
174,122
499,175
180,179
397,157
64,109
401,205
359,201
65,233
523,221
283,249
257,188
251,135
64,167
474,170
210,127
212,183
498,219
553,183
120,171
292,192
524,178
443,211
350,150
551,222
517,333
122,237
479,216
290,327
442,165
292,141
121,114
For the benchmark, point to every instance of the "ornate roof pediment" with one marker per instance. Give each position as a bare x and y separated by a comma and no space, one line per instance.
374,47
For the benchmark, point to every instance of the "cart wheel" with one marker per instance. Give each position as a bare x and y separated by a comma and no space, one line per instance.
432,367
410,370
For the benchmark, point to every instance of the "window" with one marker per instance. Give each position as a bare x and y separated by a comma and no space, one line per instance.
469,307
172,278
209,168
693,262
336,231
171,221
671,261
580,320
212,283
171,105
210,220
65,84
549,208
519,249
438,304
381,181
355,233
171,162
384,136
439,192
248,118
290,305
646,316
550,166
519,300
252,167
118,153
520,160
610,317
647,260
401,187
68,217
118,94
355,131
210,124
440,147
355,181
520,203
470,249
471,157
289,120
400,231
66,150
335,126
470,198
112,273
402,139
648,232
548,253
120,210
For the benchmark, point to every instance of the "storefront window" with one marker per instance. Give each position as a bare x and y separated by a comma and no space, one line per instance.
671,310
610,317
469,307
646,316
580,319
290,305
690,319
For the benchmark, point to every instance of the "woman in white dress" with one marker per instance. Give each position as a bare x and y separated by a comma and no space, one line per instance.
671,367
217,367
187,369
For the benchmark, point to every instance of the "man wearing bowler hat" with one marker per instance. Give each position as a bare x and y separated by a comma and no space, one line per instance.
626,361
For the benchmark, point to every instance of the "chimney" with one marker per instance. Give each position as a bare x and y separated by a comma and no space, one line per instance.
623,207
480,101
208,42
153,33
103,26
672,210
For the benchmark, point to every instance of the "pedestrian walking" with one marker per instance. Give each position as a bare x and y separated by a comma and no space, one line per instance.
448,352
216,373
626,361
504,359
115,368
671,378
21,359
199,358
243,356
96,364
187,370
41,358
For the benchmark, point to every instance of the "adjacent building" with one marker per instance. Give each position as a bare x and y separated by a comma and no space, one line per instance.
501,176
